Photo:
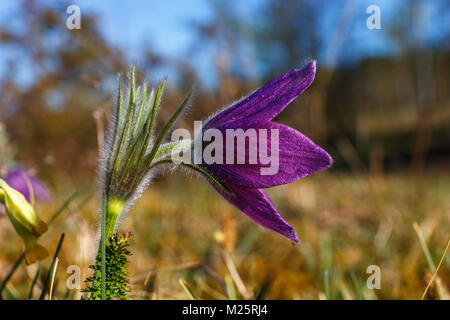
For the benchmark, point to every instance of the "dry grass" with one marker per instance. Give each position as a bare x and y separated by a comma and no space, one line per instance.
183,230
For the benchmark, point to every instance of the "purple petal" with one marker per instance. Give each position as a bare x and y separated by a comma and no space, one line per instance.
297,158
17,179
267,102
256,204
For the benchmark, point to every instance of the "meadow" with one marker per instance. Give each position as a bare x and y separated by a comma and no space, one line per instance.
184,231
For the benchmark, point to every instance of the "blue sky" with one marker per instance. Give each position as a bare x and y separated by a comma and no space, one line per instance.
158,24
165,27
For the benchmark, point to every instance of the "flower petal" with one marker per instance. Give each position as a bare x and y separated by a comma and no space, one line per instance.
267,102
297,157
256,204
17,179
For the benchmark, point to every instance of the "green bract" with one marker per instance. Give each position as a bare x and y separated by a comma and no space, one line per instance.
132,149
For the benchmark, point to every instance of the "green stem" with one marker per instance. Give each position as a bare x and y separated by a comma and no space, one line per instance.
110,211
103,246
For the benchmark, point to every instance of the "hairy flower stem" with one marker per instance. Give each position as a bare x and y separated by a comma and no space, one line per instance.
110,211
102,251
116,260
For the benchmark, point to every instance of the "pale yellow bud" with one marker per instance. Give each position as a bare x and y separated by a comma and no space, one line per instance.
25,221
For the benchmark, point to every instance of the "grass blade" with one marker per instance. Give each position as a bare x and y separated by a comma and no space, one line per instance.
53,279
52,267
426,252
186,289
326,284
30,293
356,286
62,208
423,245
10,274
231,290
264,289
436,271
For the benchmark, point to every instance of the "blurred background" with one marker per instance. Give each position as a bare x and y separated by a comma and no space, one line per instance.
380,105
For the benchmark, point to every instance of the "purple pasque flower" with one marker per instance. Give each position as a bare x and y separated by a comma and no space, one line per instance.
298,156
21,180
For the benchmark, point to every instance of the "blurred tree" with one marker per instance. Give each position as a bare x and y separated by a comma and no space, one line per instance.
54,79
289,35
